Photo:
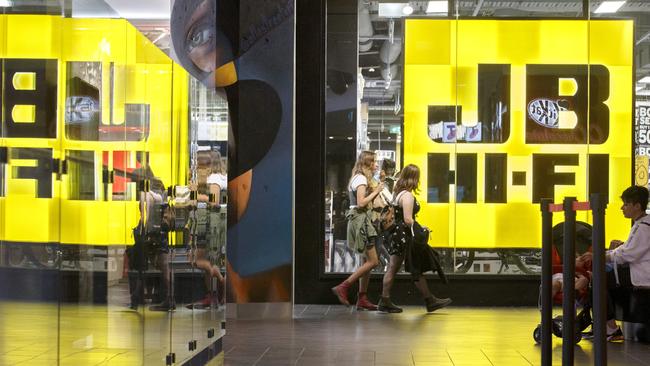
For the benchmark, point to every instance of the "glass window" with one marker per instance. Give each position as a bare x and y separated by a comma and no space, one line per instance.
81,173
500,104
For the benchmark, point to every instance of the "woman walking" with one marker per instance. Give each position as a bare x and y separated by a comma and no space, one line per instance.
361,233
409,240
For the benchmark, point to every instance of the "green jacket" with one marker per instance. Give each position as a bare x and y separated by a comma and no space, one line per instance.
360,229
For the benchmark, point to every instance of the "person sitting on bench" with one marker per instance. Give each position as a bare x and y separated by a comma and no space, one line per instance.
634,252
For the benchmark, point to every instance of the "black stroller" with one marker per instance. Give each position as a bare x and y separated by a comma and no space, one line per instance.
583,318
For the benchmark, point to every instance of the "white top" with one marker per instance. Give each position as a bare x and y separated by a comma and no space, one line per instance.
218,179
636,252
358,180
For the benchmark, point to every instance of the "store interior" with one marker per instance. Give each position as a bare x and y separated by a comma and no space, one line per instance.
370,105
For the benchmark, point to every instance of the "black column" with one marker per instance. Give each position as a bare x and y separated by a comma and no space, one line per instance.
599,280
547,274
310,161
568,273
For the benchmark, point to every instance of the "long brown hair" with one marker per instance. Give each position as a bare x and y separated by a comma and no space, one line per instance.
364,165
409,180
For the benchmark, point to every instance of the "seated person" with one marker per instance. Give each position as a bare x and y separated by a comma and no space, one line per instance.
635,252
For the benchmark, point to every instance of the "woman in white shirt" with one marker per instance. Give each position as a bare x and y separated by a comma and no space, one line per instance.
361,233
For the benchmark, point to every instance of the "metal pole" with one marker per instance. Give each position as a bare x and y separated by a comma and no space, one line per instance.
568,297
599,280
547,269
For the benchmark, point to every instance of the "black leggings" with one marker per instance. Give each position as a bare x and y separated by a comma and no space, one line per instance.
618,293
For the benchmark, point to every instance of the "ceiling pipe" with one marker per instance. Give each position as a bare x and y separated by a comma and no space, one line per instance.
365,28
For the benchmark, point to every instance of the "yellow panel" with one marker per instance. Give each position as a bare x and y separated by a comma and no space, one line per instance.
439,73
24,81
141,74
33,36
23,113
611,42
431,42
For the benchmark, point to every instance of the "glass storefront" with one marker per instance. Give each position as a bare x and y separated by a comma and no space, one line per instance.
113,180
500,104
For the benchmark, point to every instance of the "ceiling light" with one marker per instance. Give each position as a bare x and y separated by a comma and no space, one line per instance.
6,3
437,7
372,69
644,80
407,9
609,7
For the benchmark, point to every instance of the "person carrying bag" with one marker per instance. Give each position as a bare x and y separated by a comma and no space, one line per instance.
409,240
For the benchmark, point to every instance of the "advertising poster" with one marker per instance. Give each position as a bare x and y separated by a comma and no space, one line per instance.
641,142
252,44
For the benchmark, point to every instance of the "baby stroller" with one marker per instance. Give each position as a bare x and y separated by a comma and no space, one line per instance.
583,299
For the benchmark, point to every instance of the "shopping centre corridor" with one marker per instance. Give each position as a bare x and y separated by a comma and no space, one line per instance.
336,335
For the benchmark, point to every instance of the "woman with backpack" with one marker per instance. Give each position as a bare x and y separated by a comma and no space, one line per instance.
409,240
361,233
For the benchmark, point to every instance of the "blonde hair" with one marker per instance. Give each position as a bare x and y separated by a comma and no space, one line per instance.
217,165
409,180
203,165
364,165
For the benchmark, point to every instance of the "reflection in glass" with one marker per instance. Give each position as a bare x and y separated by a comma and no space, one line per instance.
81,173
206,225
83,100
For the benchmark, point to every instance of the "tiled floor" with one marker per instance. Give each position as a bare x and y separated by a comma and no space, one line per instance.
76,335
336,335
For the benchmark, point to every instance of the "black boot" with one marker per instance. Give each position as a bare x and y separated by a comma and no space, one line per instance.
387,306
433,303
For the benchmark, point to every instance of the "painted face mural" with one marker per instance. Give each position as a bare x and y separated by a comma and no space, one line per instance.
244,50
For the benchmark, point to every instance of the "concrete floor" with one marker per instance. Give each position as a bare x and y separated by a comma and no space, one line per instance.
336,335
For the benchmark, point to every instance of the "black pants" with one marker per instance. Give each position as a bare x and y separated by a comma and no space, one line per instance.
618,293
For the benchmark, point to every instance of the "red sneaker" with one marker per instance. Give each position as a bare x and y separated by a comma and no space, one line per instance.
363,303
341,292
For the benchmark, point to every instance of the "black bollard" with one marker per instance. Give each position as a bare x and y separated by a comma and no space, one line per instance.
599,280
547,274
568,274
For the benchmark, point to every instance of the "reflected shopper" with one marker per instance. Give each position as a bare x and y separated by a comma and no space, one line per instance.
203,224
361,233
409,240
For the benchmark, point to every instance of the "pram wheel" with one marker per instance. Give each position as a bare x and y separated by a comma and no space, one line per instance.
537,334
557,331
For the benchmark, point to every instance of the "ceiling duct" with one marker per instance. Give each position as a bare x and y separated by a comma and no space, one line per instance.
390,51
389,72
365,28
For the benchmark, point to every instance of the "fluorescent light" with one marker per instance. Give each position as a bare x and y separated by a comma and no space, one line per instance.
391,10
609,7
644,80
6,3
407,9
437,7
